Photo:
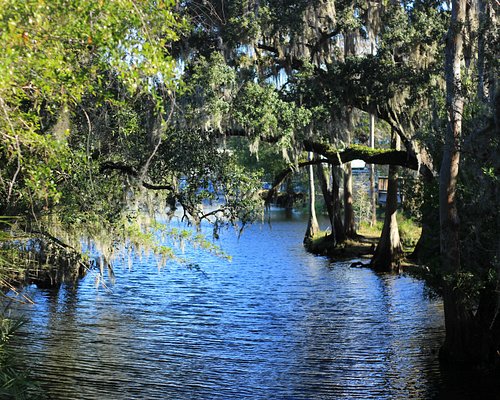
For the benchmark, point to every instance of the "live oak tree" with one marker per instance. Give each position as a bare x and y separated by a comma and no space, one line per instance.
87,93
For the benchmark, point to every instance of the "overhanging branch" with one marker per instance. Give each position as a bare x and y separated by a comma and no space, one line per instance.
131,171
334,157
368,155
233,132
280,178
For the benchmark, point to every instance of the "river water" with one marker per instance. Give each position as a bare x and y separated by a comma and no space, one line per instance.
275,323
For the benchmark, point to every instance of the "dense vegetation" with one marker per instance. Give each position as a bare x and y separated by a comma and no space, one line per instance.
111,111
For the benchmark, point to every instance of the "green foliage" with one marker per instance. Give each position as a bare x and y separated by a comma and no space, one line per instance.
409,34
88,84
52,54
409,231
411,188
215,101
260,111
267,162
210,88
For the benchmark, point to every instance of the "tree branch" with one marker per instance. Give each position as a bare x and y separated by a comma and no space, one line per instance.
334,157
325,36
110,165
129,170
370,156
55,240
268,48
242,133
280,59
157,187
280,178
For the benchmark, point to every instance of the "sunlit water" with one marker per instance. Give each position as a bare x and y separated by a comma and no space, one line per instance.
275,323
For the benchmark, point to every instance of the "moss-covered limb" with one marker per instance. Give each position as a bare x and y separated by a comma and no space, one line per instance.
367,154
335,157
38,257
354,152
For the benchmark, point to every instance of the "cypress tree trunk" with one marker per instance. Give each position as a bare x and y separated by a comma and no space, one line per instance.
480,51
312,225
337,218
288,200
373,195
349,223
332,202
327,196
388,253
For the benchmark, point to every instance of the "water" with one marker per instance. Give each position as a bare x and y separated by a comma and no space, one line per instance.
275,323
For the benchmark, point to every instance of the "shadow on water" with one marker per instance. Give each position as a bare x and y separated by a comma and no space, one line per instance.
456,383
276,323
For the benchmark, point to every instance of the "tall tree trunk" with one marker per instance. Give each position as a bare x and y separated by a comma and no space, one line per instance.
332,202
349,222
323,174
372,33
483,21
312,225
373,195
457,317
337,218
289,196
388,253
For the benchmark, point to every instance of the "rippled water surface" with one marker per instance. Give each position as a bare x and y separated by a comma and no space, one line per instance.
275,323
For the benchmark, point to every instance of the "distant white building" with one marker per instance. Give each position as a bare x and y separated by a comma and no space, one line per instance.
358,164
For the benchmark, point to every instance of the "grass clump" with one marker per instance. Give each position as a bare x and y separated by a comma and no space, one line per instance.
409,231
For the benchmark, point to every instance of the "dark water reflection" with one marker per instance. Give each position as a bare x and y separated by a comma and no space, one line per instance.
276,323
